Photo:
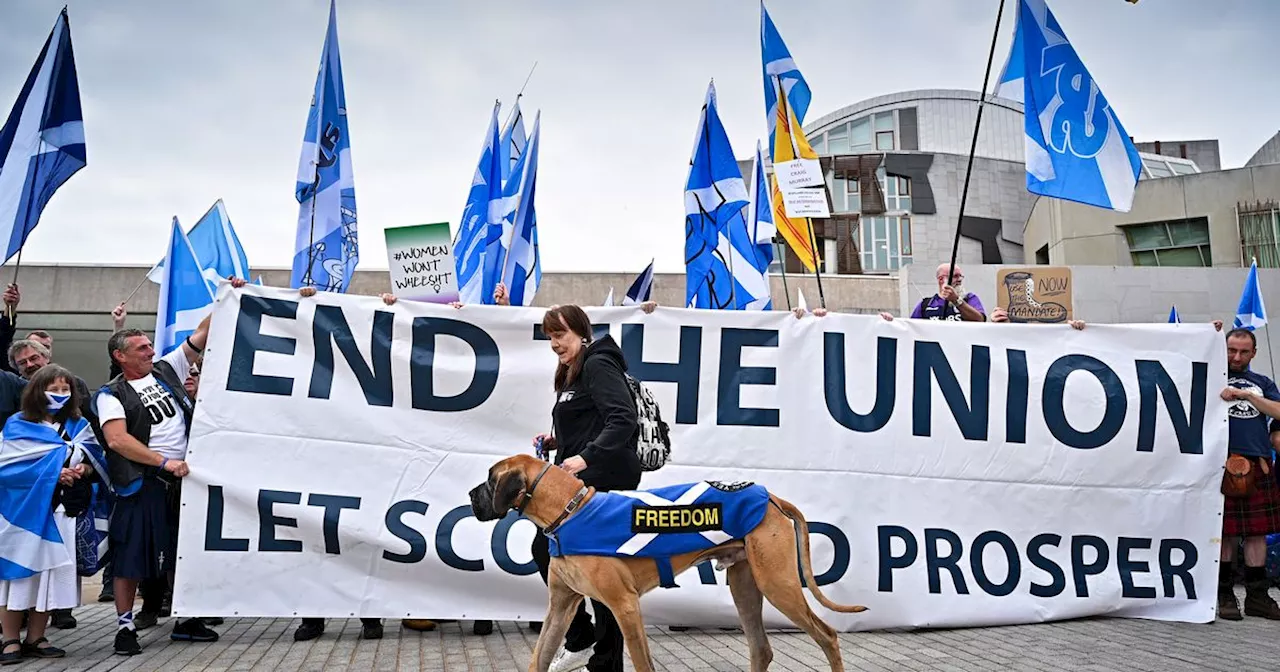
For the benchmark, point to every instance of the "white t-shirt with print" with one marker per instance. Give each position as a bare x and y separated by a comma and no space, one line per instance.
168,429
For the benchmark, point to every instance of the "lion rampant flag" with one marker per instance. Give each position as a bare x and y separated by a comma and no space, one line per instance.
789,144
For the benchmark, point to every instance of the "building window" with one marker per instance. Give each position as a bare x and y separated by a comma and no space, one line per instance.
819,143
1183,242
1259,225
897,193
860,135
838,139
854,195
829,258
885,243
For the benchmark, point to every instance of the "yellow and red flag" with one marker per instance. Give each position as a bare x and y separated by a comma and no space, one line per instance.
789,144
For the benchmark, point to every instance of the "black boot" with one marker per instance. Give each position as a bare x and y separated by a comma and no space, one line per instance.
1257,601
1228,607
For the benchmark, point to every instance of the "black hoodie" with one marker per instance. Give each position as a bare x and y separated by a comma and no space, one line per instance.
595,419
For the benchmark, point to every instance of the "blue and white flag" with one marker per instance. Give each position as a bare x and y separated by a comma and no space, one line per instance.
42,143
608,300
1251,314
1076,148
1174,317
512,144
777,62
641,289
720,265
31,459
485,194
761,226
217,247
326,250
185,296
513,257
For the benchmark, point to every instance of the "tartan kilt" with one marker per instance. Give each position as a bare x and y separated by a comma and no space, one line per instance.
1256,515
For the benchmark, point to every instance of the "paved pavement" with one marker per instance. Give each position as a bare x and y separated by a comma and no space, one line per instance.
1091,645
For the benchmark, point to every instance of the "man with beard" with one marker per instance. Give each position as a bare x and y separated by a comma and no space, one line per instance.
1256,401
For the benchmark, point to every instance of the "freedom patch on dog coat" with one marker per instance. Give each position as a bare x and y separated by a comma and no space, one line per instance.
661,523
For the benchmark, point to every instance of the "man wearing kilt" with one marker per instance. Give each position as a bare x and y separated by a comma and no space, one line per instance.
1255,400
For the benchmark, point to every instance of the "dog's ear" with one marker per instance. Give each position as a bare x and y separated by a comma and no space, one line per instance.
509,485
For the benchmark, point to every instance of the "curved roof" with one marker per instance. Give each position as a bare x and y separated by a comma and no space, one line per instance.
1269,152
860,108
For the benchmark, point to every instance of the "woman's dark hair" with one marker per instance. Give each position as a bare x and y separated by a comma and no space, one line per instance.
578,322
35,406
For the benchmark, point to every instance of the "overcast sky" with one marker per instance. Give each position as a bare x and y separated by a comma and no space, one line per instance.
188,102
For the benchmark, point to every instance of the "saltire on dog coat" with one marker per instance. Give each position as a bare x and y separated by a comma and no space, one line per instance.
661,523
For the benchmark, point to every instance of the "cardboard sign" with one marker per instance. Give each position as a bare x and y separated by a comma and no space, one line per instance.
798,174
809,202
420,258
1035,294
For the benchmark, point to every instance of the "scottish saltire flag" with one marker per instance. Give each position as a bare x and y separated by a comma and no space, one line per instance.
777,62
1076,148
31,459
42,142
512,258
185,296
217,247
326,249
608,300
640,290
513,144
482,200
1251,314
1174,317
714,196
761,224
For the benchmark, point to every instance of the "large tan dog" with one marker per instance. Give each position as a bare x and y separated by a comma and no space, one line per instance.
546,494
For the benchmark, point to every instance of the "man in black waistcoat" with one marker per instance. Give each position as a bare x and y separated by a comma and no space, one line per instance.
145,418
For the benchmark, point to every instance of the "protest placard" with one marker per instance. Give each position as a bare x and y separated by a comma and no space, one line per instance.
420,258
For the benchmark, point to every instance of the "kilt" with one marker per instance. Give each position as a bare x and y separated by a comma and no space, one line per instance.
144,531
1256,515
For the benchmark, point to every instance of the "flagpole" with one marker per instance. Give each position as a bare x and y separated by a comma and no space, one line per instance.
973,147
10,311
783,265
519,95
817,262
135,290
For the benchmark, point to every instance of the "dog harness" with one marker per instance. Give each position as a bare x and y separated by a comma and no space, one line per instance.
661,523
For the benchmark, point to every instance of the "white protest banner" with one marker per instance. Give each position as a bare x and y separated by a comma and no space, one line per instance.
420,260
798,174
806,203
951,474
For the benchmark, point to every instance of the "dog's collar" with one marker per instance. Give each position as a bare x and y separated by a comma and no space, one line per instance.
528,493
568,510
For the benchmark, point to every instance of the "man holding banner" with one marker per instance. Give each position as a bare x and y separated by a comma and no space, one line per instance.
1256,514
145,416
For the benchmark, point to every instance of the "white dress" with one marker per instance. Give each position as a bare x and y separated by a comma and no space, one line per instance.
57,588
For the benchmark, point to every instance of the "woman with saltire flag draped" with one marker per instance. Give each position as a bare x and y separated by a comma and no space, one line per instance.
48,457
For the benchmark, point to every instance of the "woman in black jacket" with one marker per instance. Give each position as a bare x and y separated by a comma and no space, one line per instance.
595,430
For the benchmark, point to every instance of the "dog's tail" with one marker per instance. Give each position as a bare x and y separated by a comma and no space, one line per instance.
806,562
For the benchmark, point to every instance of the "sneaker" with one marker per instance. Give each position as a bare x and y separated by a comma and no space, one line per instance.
127,642
567,661
482,628
308,631
371,631
535,626
193,630
145,619
62,619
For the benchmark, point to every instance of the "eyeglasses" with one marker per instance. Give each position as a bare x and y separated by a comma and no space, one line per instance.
193,372
958,278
